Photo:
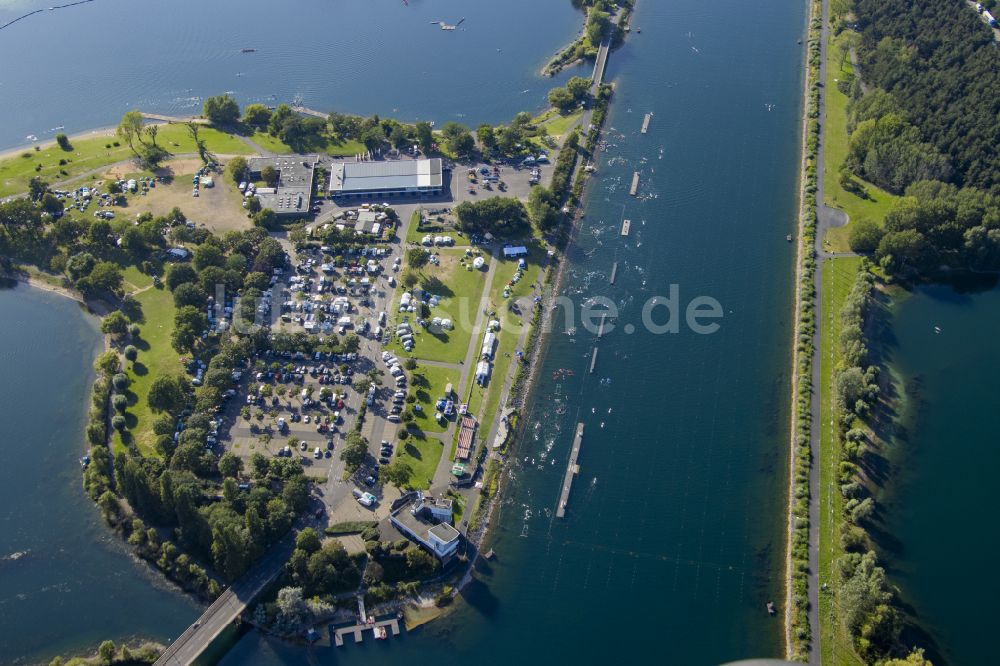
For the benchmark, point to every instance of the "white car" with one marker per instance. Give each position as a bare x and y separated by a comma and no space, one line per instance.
367,499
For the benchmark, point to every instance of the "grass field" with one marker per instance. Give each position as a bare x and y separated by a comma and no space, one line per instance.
838,278
556,124
461,291
422,454
836,141
88,154
428,385
276,145
156,359
414,236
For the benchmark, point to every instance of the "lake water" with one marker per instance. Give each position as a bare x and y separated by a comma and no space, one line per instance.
674,539
940,544
673,542
84,66
74,585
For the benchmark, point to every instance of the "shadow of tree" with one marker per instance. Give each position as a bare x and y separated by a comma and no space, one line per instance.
139,369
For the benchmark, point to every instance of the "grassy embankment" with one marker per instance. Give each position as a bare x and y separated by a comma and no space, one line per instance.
90,154
838,277
156,358
557,124
836,144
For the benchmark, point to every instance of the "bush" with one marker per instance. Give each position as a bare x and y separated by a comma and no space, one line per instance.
120,403
118,423
63,142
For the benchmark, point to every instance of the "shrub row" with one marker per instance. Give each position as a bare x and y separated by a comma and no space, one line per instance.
800,634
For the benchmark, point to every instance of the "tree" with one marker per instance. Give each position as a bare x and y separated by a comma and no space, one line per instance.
230,464
189,324
221,110
424,135
270,175
398,473
105,276
190,294
130,129
115,324
562,99
63,142
237,169
180,274
131,353
107,363
208,254
487,136
106,651
354,452
308,541
257,116
168,394
864,236
37,188
578,87
458,139
417,257
543,208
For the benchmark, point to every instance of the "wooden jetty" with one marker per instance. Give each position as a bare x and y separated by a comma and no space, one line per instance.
392,626
614,272
572,469
627,224
635,184
593,358
645,122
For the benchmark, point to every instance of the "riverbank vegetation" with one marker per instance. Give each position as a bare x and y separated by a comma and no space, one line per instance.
596,28
799,634
110,654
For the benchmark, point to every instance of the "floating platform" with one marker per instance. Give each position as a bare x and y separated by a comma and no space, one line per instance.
357,631
572,469
614,272
627,224
635,184
600,330
593,357
645,123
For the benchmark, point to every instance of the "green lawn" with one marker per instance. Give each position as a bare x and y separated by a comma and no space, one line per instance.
156,358
422,454
838,278
461,290
836,142
94,153
429,383
332,148
414,236
556,124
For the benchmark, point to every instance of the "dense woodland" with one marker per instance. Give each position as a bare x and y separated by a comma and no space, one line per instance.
940,62
926,125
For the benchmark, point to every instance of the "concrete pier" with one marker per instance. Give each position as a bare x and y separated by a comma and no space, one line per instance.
635,184
572,468
593,361
645,123
627,224
614,272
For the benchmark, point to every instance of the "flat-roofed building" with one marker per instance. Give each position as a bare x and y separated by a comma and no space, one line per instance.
293,194
427,521
385,179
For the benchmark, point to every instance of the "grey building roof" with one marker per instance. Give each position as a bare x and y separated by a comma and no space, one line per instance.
356,177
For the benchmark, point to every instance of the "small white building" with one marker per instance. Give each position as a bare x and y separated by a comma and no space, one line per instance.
482,373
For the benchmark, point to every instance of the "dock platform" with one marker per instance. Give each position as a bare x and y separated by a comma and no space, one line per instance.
614,272
572,469
392,625
627,224
593,358
635,184
645,123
